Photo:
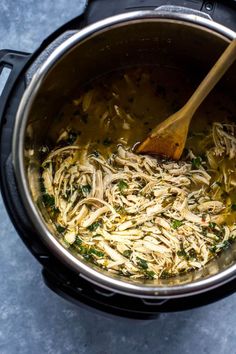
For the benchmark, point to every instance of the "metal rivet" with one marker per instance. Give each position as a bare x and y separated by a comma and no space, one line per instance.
209,6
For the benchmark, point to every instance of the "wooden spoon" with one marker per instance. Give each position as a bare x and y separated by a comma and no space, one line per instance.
168,138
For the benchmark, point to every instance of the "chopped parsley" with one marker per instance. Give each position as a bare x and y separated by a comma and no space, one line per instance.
142,263
96,252
226,244
122,185
127,253
86,189
182,253
150,274
78,241
176,224
196,162
84,252
192,254
213,249
60,229
165,274
212,225
222,246
87,252
94,226
48,200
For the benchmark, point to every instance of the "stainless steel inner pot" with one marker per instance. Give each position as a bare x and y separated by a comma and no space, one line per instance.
165,38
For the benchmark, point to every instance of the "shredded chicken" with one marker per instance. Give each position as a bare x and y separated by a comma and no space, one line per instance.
136,216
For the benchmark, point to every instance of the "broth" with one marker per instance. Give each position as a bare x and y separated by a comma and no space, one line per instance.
142,93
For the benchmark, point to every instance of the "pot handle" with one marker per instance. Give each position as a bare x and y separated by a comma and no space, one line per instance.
172,9
11,64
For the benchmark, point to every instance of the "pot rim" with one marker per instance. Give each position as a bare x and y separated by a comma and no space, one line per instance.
120,286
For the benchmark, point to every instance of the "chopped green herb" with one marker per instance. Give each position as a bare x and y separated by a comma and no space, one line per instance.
226,244
78,241
223,246
165,274
196,162
122,185
212,225
182,253
142,263
127,253
86,189
94,226
96,252
48,200
60,229
84,251
150,274
219,233
218,183
213,249
187,255
97,235
176,224
87,252
66,243
192,253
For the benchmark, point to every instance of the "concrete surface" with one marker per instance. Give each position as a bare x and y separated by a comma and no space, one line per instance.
33,320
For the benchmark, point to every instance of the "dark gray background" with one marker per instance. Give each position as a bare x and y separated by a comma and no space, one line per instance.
35,320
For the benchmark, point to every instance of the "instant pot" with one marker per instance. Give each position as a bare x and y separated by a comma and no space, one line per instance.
108,35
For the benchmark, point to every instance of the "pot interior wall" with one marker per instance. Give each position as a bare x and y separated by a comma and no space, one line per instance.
180,45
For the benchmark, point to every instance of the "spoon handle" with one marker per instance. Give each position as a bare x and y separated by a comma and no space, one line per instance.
214,75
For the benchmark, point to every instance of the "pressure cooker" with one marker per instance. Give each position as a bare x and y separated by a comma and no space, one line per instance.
108,35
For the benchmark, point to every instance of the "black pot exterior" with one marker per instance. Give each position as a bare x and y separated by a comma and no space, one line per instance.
58,277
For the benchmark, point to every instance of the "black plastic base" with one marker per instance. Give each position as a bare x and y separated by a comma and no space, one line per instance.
91,297
59,278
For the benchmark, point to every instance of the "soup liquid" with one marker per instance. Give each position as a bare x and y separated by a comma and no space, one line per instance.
145,97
